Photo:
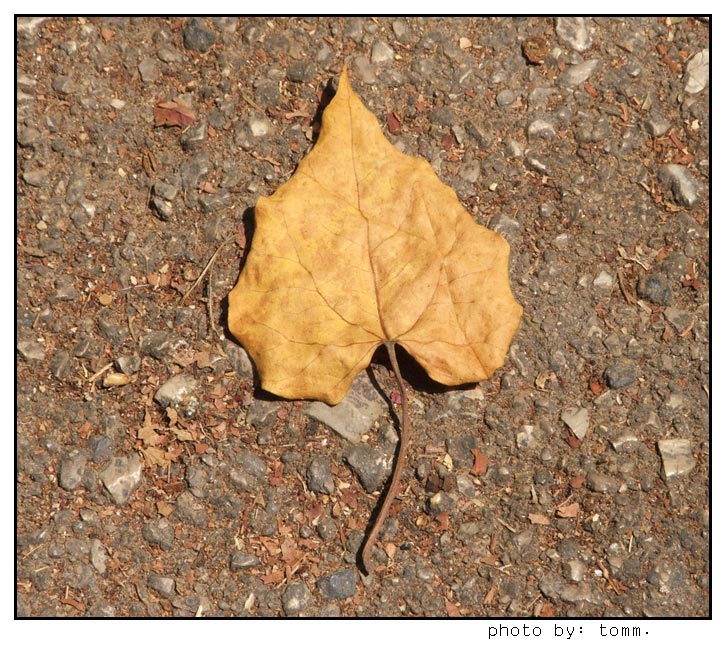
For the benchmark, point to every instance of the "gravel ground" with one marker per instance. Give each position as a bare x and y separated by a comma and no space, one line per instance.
153,476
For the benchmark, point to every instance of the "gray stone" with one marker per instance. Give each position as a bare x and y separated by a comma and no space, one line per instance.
128,364
197,36
190,510
108,323
682,184
470,171
540,128
656,289
697,72
159,344
75,190
31,350
149,70
301,71
194,136
505,97
211,202
165,190
460,449
252,464
296,598
602,483
163,208
319,476
37,177
61,366
327,528
72,466
577,420
338,585
240,560
525,437
355,414
574,32
621,375
371,466
122,477
556,588
165,586
677,457
505,225
180,392
440,502
238,359
577,74
604,281
98,556
364,70
381,53
192,171
259,126
657,125
678,318
262,414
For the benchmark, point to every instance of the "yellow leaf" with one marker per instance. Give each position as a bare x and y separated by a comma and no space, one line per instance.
362,246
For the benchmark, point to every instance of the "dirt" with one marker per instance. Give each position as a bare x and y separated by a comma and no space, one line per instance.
574,483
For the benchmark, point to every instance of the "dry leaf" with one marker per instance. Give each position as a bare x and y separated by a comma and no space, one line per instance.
365,245
481,463
539,519
173,113
568,511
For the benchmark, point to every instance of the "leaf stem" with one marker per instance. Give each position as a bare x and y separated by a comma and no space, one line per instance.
403,442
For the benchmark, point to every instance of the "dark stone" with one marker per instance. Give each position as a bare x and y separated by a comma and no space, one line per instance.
338,585
197,37
301,71
655,288
370,465
319,476
159,533
621,375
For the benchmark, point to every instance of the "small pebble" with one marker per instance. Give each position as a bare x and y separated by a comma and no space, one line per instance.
98,556
37,177
296,598
370,465
355,414
681,182
180,392
540,128
71,470
602,483
697,72
676,456
197,36
239,560
165,586
655,288
31,350
575,32
577,420
149,71
621,375
319,476
301,72
577,74
381,53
